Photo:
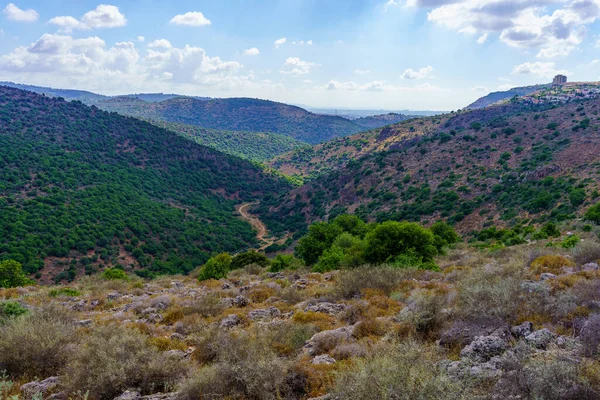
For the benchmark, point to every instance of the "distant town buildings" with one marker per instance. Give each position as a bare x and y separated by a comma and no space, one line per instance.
559,80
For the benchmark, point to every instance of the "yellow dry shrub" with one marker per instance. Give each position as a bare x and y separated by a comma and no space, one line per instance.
320,320
261,294
173,315
568,281
370,328
550,263
164,343
11,293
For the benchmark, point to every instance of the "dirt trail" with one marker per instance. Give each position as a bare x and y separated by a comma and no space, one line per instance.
261,230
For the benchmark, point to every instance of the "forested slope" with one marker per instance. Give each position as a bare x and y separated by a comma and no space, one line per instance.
81,188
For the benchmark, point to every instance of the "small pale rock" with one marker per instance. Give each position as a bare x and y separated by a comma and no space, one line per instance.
129,395
590,266
177,336
225,286
327,308
240,301
84,322
323,359
261,314
112,296
547,275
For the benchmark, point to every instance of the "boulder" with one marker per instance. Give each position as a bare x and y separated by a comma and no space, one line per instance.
40,388
129,395
522,330
263,314
230,321
464,332
240,301
483,348
540,339
327,340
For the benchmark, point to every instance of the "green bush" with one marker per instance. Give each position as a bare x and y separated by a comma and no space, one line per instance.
391,239
114,274
570,242
593,213
249,257
444,234
284,261
330,260
11,274
68,292
320,237
11,309
216,267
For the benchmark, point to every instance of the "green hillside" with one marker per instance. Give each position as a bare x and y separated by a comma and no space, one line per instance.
253,146
239,114
509,165
81,188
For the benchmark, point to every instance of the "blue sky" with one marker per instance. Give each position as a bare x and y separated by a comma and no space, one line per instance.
369,54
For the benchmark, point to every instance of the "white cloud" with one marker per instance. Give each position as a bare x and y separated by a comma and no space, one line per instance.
377,86
194,18
302,43
482,39
540,69
160,43
362,71
141,39
252,52
419,74
479,89
521,24
296,67
104,16
14,13
392,3
279,42
89,63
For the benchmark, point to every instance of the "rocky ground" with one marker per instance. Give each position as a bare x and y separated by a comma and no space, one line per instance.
520,323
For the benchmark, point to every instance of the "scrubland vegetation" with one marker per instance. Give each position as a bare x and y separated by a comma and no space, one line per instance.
429,319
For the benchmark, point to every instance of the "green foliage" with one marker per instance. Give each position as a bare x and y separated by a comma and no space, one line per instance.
249,257
253,146
66,291
444,235
115,274
11,274
570,242
74,179
11,309
239,114
330,260
593,213
390,239
284,261
320,237
216,267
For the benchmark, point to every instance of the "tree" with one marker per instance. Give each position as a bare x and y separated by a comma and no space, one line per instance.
11,274
444,234
320,237
351,224
593,213
249,257
216,267
391,239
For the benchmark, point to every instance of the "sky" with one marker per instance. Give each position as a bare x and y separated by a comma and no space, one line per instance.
361,54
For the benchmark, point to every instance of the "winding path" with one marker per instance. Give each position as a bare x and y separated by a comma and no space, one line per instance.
261,230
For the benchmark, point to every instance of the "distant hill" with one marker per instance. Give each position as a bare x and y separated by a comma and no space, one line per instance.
155,97
377,121
82,189
67,94
504,165
239,114
495,97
